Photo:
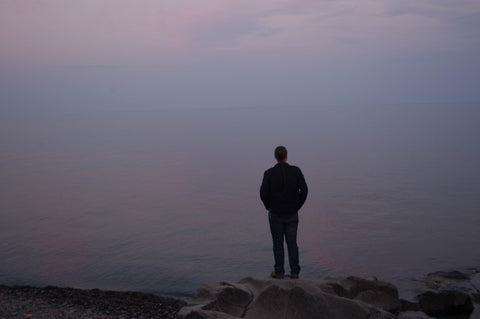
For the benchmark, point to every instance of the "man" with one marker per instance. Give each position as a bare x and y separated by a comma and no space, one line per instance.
283,192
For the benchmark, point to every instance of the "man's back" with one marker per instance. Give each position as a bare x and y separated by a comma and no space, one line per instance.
283,190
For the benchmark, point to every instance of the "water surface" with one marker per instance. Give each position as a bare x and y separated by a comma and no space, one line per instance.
167,200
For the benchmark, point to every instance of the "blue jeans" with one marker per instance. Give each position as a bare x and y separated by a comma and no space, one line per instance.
284,228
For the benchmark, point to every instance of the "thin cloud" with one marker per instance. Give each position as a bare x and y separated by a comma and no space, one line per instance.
85,67
438,9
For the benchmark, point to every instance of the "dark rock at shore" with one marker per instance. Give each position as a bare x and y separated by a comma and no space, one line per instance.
452,274
446,303
463,282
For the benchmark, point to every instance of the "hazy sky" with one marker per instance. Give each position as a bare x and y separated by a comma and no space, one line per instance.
127,54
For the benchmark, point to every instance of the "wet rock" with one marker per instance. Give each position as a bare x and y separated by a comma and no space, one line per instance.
453,274
446,303
467,280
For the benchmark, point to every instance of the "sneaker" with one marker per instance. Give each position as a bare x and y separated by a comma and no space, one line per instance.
294,276
274,275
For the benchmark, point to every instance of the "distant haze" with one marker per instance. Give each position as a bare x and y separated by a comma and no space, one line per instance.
69,55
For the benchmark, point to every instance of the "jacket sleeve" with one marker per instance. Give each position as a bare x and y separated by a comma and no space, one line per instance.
302,190
265,190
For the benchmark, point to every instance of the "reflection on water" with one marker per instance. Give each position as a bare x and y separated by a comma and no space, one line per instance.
167,200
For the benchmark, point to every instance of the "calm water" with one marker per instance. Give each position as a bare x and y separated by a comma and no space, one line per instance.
165,201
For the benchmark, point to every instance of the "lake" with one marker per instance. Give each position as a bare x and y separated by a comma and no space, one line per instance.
166,200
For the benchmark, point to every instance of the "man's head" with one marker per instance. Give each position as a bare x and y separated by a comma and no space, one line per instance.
281,154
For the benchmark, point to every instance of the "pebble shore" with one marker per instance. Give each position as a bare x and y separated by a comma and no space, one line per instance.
54,302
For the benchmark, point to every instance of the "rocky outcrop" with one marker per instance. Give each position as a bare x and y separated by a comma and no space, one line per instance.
331,298
445,294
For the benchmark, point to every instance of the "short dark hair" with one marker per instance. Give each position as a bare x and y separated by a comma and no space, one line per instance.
280,153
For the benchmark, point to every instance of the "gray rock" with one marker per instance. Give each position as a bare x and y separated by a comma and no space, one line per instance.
272,298
445,303
374,292
277,302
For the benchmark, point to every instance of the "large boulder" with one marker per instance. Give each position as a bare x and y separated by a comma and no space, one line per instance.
446,303
331,298
453,291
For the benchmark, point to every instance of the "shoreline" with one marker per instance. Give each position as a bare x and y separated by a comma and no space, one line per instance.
65,302
58,302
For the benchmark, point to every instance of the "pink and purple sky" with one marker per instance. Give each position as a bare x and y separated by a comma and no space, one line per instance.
127,54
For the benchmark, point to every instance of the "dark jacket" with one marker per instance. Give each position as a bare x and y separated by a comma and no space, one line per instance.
283,190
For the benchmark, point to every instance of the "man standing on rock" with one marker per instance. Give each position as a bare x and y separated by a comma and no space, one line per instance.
283,192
